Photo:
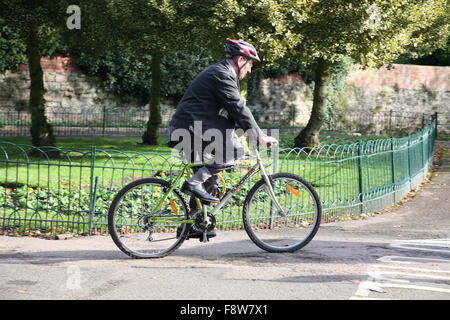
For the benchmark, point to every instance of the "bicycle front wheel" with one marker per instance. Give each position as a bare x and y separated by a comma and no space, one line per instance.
286,231
142,230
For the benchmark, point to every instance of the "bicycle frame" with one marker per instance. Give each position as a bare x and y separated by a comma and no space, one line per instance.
187,168
259,165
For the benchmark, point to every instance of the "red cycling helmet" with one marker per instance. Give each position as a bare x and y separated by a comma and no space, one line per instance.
241,48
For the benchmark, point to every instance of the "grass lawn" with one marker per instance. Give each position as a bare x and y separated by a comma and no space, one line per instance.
124,155
124,144
116,160
36,189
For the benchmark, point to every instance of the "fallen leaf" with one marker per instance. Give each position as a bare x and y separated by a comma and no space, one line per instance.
22,291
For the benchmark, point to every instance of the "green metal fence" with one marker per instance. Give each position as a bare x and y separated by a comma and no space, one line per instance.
132,122
96,122
48,192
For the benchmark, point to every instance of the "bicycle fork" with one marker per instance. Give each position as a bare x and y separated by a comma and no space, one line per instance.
268,185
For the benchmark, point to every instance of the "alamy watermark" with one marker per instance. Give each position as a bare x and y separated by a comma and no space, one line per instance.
214,146
374,21
74,278
74,20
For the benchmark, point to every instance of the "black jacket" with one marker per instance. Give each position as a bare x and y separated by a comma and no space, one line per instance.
214,99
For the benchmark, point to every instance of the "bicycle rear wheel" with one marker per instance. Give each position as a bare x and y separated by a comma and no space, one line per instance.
272,231
138,229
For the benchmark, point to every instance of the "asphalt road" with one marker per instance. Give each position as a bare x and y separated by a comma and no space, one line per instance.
404,254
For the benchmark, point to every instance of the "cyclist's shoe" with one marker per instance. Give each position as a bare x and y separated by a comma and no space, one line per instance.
198,191
195,233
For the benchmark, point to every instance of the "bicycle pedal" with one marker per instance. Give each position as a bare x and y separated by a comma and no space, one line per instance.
200,235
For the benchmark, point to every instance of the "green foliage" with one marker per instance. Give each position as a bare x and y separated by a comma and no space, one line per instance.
12,49
64,199
29,19
12,46
51,41
440,57
373,33
336,99
178,69
337,96
125,74
129,75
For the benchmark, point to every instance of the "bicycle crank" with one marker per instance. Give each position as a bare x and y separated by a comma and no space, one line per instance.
205,225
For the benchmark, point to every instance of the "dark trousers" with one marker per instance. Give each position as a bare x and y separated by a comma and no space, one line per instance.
215,162
211,186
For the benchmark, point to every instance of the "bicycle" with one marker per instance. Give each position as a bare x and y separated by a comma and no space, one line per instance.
281,213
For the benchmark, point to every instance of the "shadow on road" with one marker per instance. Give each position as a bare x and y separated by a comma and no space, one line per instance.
241,251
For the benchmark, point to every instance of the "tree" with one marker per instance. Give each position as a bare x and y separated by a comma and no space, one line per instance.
164,26
157,27
12,49
440,57
26,17
255,21
155,31
145,29
372,32
148,28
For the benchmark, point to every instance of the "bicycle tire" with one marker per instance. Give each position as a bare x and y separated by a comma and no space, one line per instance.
273,232
129,237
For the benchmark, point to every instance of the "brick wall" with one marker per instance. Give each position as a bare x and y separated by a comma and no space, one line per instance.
57,63
402,76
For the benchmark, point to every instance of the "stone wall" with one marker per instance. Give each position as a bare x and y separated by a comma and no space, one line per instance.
66,87
408,90
68,90
376,101
405,91
285,100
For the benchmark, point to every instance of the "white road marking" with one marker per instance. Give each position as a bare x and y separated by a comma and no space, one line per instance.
388,274
391,258
409,247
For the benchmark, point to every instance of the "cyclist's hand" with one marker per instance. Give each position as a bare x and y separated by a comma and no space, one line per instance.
268,141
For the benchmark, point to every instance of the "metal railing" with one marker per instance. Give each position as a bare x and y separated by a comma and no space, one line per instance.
132,122
92,122
48,191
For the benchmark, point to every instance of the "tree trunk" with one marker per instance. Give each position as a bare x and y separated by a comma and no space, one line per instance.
309,136
41,130
243,87
150,136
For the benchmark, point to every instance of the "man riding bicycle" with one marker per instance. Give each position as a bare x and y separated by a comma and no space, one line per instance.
213,102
